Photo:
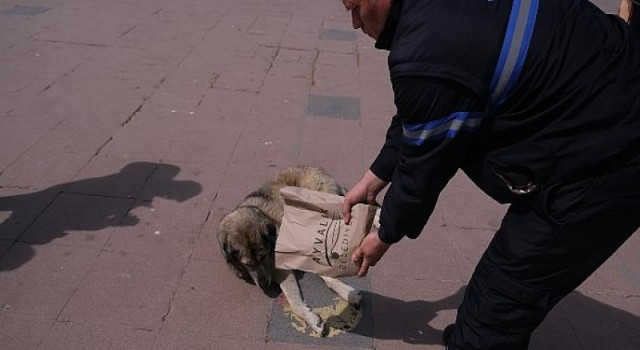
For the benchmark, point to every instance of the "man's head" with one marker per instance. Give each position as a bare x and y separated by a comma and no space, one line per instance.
369,15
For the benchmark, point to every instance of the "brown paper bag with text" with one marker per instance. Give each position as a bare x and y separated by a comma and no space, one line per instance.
313,236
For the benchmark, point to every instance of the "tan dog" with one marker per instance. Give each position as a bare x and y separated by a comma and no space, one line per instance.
247,237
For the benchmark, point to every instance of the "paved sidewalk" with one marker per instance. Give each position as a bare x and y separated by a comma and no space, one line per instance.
129,127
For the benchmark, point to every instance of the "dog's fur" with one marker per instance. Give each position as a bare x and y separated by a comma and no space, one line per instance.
247,237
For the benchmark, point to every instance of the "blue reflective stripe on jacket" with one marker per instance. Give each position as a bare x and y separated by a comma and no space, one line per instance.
508,68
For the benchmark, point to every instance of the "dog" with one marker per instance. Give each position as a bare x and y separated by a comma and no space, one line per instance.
247,236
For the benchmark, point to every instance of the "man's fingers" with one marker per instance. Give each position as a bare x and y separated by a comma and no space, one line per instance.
356,257
364,268
346,212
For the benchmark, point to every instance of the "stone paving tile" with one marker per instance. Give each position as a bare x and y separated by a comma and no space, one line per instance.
107,27
432,260
126,289
339,35
467,246
227,113
211,302
244,74
21,10
80,336
303,32
282,328
269,142
205,342
335,74
176,100
240,179
614,277
40,168
23,332
197,148
463,208
292,64
206,131
124,63
175,34
334,106
37,280
284,95
337,46
138,143
319,147
206,246
57,57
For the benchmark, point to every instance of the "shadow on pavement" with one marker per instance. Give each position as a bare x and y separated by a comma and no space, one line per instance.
577,323
408,321
87,205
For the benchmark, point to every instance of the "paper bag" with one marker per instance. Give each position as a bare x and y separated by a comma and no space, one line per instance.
313,236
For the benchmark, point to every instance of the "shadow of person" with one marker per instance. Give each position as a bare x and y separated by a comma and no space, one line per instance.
578,322
89,204
408,321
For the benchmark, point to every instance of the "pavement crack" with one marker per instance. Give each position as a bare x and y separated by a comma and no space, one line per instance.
143,329
124,123
46,88
18,90
213,79
103,146
129,30
175,291
313,68
72,43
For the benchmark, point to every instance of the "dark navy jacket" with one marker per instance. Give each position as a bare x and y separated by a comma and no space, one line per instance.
572,109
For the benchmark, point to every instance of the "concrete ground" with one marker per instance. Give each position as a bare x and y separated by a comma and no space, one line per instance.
129,127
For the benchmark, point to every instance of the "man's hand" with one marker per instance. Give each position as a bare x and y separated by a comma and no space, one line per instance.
365,191
369,252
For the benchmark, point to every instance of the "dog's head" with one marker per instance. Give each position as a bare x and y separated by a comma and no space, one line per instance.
247,238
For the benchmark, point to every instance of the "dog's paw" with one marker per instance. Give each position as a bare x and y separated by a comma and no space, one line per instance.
354,298
316,323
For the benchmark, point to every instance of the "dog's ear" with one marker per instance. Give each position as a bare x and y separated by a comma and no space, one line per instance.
271,234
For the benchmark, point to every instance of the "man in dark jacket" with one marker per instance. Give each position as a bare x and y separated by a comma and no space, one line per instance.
538,102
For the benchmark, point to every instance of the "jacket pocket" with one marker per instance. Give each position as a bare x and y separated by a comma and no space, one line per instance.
505,185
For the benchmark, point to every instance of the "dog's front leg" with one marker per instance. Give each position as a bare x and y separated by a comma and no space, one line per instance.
291,290
345,291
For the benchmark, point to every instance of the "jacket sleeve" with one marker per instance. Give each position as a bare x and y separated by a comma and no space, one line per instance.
385,163
429,137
